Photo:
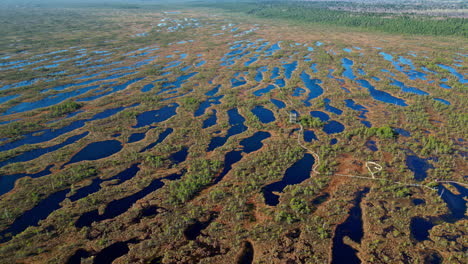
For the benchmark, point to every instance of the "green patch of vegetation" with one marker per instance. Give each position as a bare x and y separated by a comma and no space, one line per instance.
311,122
64,108
318,13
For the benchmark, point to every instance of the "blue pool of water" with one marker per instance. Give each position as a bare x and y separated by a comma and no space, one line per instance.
278,103
309,135
454,72
263,91
370,144
298,92
402,132
237,126
442,101
418,166
35,153
169,86
7,182
112,90
7,98
420,228
381,95
289,68
135,137
179,156
160,139
330,108
209,102
352,228
238,82
275,73
211,120
250,61
297,173
265,115
315,90
95,185
407,89
348,72
333,127
213,91
96,150
321,115
120,206
156,116
280,82
455,202
49,134
254,142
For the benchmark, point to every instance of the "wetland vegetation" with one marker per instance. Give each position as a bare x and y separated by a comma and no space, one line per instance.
158,132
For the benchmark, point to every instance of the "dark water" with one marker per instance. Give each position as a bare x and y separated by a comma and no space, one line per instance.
247,253
117,207
249,144
213,91
333,127
265,115
263,91
32,217
7,182
297,173
309,135
49,134
418,166
402,132
455,202
420,228
370,144
52,202
96,150
211,120
348,72
179,156
238,82
113,89
407,89
95,185
289,69
135,137
122,205
330,108
351,227
161,138
254,142
209,102
231,158
419,201
278,103
169,86
321,115
36,153
381,95
156,116
313,86
237,126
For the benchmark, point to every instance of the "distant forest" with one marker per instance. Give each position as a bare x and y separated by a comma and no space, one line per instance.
327,13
